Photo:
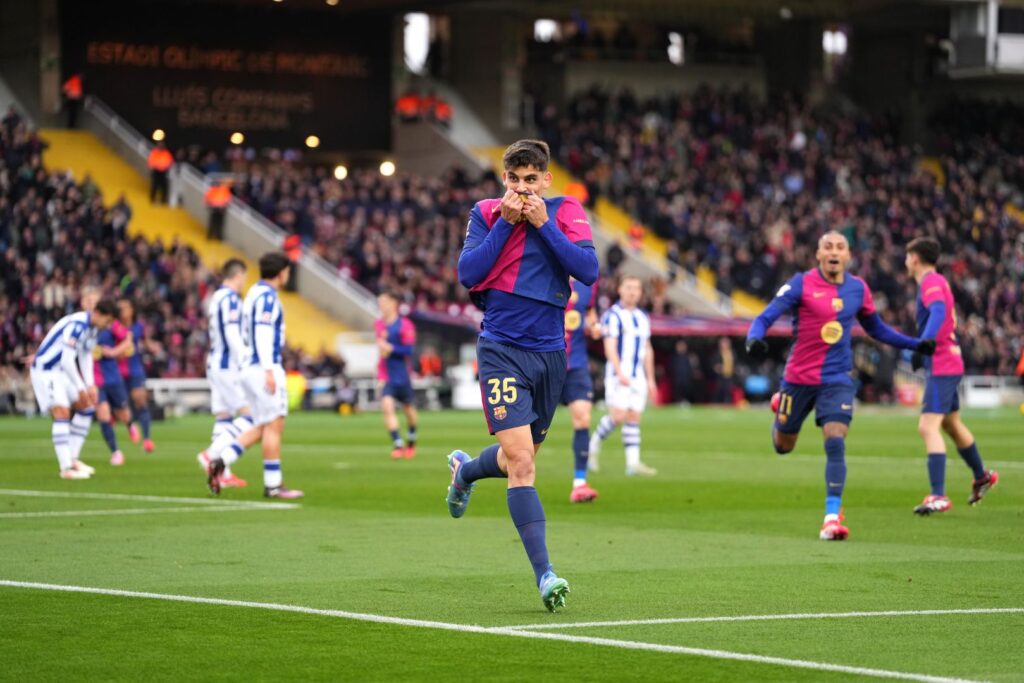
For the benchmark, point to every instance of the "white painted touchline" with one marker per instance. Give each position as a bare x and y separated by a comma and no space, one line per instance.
146,511
146,499
504,631
773,617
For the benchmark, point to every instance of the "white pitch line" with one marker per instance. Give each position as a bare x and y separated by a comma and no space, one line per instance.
145,499
773,617
142,511
503,631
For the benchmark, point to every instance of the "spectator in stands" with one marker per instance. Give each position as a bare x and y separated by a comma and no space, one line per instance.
217,199
724,366
160,162
73,93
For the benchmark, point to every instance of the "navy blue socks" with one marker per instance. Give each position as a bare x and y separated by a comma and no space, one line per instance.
580,448
973,460
484,466
528,516
835,474
937,473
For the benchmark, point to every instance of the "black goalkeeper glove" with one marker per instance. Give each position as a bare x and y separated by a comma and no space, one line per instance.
916,361
926,347
757,348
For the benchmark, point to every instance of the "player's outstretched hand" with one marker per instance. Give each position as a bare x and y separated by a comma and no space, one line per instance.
925,347
916,361
757,348
512,207
535,211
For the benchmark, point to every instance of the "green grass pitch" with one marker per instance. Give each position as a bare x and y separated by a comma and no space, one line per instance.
727,528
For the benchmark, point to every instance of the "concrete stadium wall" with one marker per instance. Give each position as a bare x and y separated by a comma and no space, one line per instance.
654,79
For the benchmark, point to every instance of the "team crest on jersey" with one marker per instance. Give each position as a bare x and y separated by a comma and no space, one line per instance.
573,320
500,413
831,332
837,304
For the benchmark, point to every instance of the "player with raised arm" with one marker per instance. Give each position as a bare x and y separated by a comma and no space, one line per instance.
396,341
133,372
940,409
824,303
519,254
263,380
628,376
578,393
62,377
224,362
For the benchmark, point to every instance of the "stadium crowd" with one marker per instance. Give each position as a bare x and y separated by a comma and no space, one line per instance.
744,187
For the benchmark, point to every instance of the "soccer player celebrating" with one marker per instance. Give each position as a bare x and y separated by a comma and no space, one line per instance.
113,395
263,380
578,393
396,340
223,362
628,376
519,253
936,320
133,372
824,301
62,377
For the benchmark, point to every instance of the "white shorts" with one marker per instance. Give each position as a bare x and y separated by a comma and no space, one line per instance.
226,392
265,407
633,397
53,389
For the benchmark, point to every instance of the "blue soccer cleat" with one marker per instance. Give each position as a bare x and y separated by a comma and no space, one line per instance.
458,496
553,590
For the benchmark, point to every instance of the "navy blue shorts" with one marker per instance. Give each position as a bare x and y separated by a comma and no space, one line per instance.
831,403
114,393
133,382
578,386
403,393
519,387
941,395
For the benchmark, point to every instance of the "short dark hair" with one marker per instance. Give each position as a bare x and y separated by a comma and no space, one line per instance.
391,294
926,248
534,153
106,307
272,263
232,267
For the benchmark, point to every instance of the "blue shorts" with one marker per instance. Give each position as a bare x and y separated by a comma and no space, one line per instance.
133,382
114,393
519,387
831,403
403,393
941,395
578,386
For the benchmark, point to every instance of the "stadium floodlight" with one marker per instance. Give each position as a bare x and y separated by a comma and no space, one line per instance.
332,3
676,49
416,39
237,138
545,30
158,135
387,168
312,141
834,42
341,172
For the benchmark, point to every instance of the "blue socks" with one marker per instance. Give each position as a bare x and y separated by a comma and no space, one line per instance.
412,435
484,466
835,474
396,439
528,516
973,460
580,447
937,473
108,435
144,420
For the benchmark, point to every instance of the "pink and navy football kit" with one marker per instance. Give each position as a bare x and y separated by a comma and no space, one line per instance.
936,319
393,370
519,276
578,384
132,370
818,370
109,382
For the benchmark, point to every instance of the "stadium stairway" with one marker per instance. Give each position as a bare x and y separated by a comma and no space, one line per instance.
309,328
653,248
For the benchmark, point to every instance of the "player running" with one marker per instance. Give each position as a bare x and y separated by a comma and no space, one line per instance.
133,372
62,377
263,380
396,341
519,253
223,365
578,392
628,375
824,302
940,409
112,401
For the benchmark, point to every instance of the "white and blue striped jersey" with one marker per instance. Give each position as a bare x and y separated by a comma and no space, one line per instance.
67,348
632,329
263,325
224,313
